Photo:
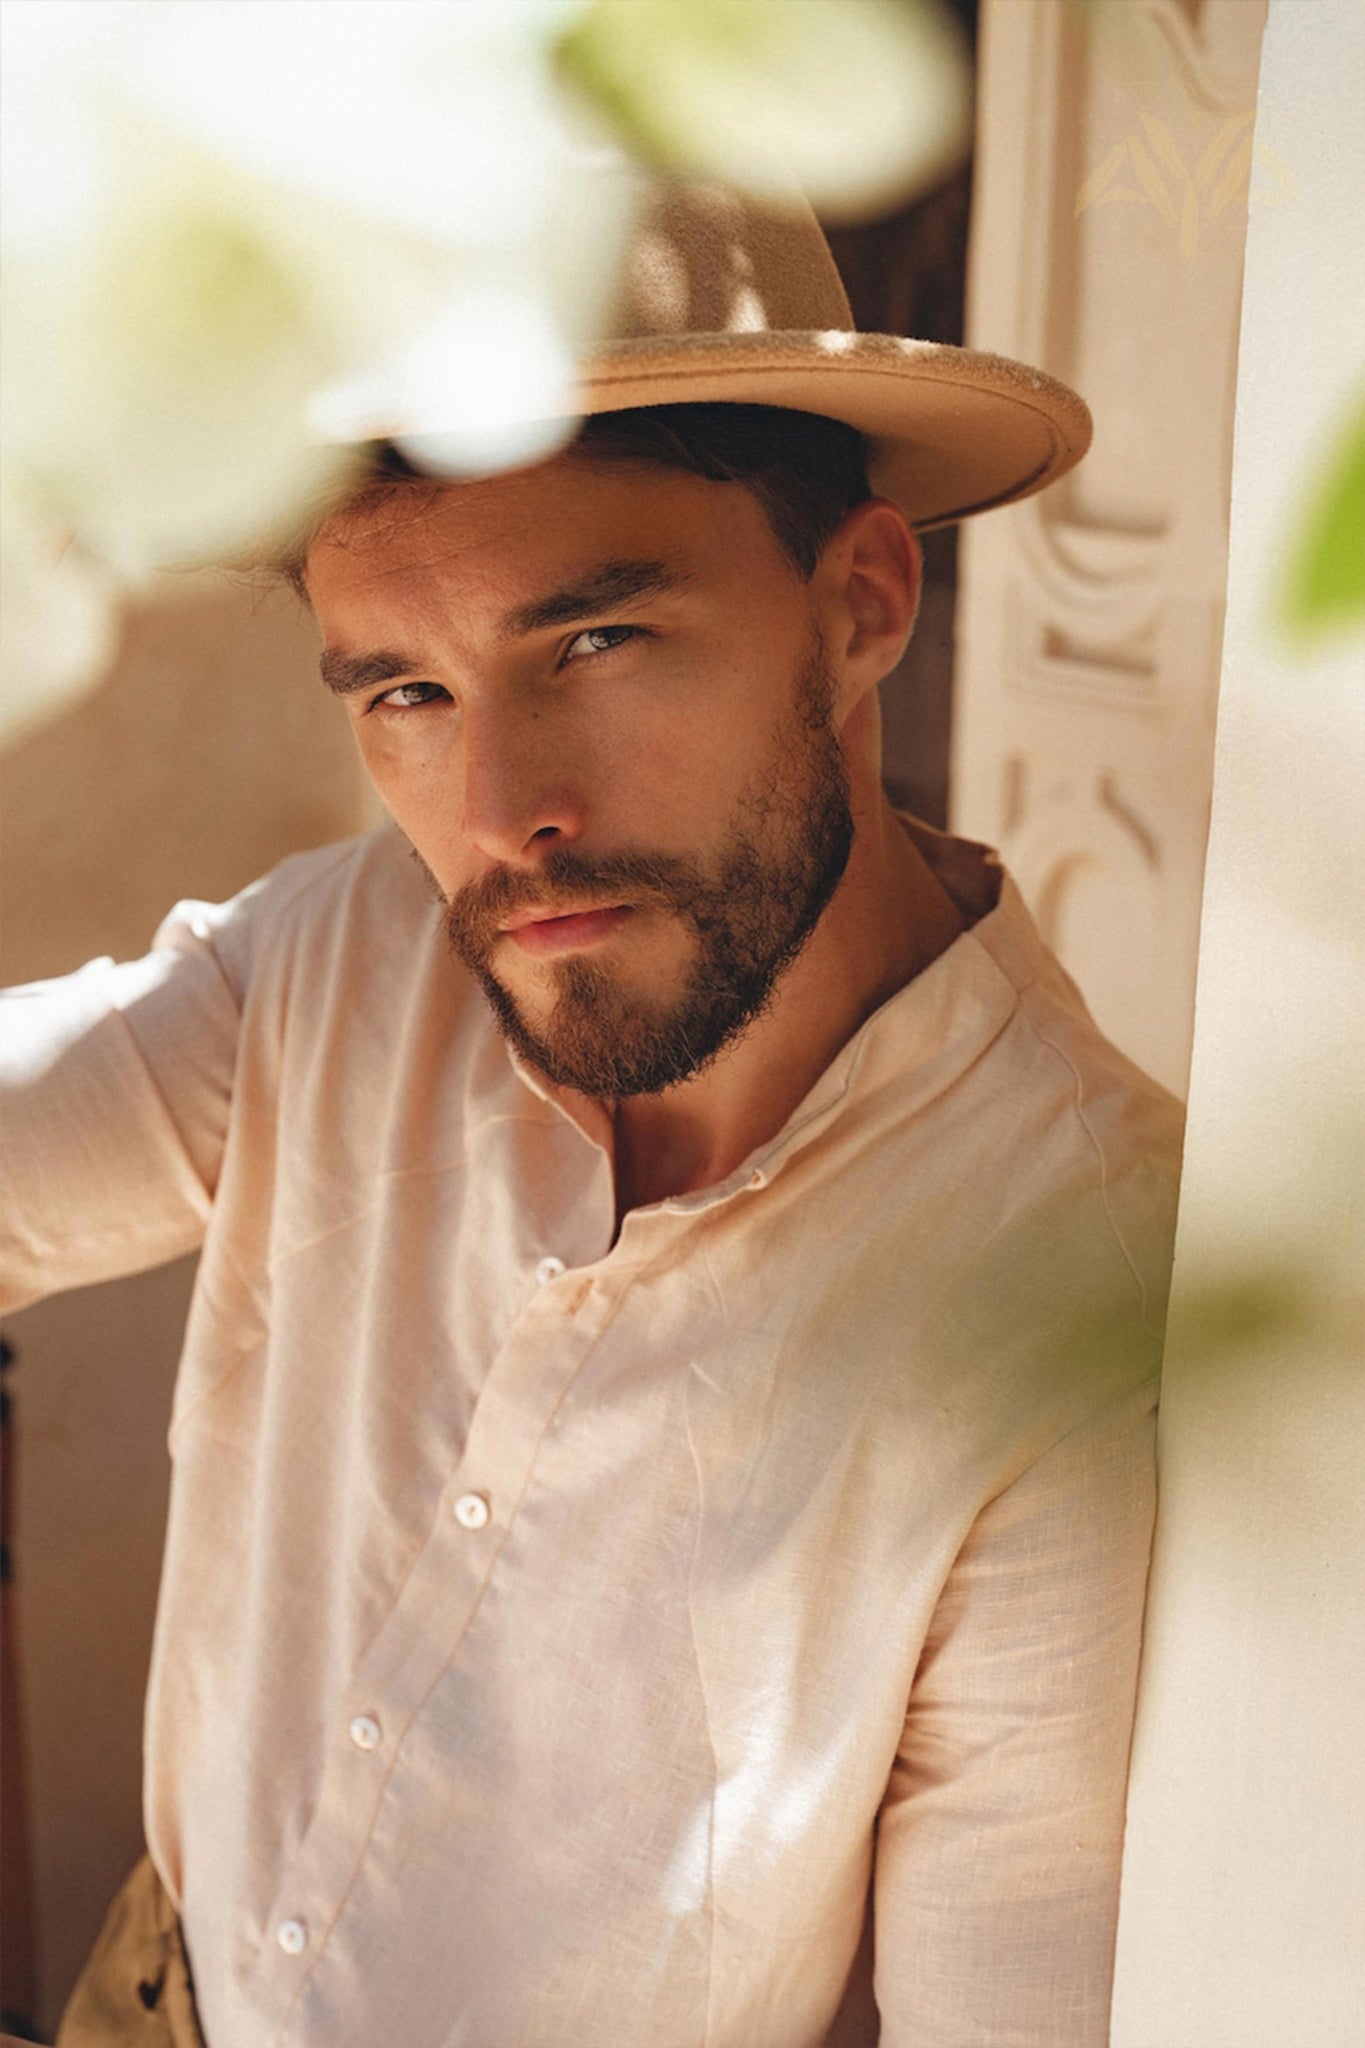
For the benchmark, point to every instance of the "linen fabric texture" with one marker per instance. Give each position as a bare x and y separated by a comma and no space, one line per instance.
720,1637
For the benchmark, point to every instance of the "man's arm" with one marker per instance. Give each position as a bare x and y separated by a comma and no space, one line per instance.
115,1085
999,1840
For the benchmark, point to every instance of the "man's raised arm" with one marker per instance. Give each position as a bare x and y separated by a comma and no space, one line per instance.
115,1083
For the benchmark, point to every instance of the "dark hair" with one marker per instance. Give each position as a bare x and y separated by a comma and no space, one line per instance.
807,472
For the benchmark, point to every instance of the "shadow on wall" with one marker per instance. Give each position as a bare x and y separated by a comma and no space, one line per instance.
208,753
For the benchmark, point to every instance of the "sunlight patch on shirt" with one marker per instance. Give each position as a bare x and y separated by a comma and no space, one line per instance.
687,1878
775,1797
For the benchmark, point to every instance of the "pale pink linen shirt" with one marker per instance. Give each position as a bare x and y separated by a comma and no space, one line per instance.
675,1642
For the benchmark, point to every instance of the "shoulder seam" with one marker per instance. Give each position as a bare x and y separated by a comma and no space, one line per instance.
1078,1098
341,852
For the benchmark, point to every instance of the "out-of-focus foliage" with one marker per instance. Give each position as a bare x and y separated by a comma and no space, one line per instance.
222,222
1324,591
1223,1315
760,92
240,234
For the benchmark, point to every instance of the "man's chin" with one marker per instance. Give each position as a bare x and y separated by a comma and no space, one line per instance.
594,1036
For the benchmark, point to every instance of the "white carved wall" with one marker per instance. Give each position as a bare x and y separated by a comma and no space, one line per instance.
1243,1915
1114,160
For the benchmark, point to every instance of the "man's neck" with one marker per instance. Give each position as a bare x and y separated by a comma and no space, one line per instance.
888,919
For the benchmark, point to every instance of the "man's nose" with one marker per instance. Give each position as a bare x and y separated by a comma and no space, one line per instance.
522,791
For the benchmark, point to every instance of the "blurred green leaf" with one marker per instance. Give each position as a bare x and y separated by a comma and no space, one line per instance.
1221,1317
1325,588
858,102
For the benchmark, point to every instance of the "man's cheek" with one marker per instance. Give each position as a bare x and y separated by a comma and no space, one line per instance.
427,812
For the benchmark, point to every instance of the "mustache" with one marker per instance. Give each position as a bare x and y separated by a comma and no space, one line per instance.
565,881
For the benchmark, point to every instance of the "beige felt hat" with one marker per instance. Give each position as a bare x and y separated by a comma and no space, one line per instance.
727,300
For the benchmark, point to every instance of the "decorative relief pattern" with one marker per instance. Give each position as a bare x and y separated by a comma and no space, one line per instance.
1084,652
1114,155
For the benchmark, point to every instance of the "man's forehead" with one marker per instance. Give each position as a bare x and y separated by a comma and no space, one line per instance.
414,531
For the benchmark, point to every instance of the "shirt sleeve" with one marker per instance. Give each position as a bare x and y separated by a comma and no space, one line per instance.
999,1841
114,1091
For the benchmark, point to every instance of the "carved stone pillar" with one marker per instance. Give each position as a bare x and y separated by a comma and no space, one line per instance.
1114,161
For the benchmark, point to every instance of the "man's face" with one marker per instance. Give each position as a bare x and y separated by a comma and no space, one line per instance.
597,704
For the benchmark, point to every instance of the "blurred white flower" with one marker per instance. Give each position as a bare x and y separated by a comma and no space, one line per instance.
155,384
492,371
238,236
858,102
165,313
432,119
426,146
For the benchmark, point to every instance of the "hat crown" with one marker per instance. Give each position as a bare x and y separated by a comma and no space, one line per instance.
734,301
708,261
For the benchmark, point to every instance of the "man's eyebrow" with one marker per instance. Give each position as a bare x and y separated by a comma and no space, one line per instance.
347,673
615,583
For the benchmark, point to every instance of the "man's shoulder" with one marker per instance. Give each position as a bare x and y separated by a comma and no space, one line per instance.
1082,1112
1055,1048
1032,1169
348,897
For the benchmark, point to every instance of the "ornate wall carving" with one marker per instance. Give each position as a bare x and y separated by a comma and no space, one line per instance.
1114,164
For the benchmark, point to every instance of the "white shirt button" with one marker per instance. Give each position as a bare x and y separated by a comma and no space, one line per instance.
292,1937
471,1510
364,1732
549,1269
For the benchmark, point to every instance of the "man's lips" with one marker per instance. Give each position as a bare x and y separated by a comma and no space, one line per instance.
542,932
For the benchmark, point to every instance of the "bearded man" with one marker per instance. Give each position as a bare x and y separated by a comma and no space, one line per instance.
663,1447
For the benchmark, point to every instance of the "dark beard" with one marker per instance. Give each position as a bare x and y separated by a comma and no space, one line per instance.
785,856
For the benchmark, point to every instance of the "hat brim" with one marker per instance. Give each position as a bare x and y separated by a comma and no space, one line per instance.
953,431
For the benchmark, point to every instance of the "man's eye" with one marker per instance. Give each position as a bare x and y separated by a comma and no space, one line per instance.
600,640
409,696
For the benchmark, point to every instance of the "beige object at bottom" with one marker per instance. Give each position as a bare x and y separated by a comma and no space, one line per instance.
135,1991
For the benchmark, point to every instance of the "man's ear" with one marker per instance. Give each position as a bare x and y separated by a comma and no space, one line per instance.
869,587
